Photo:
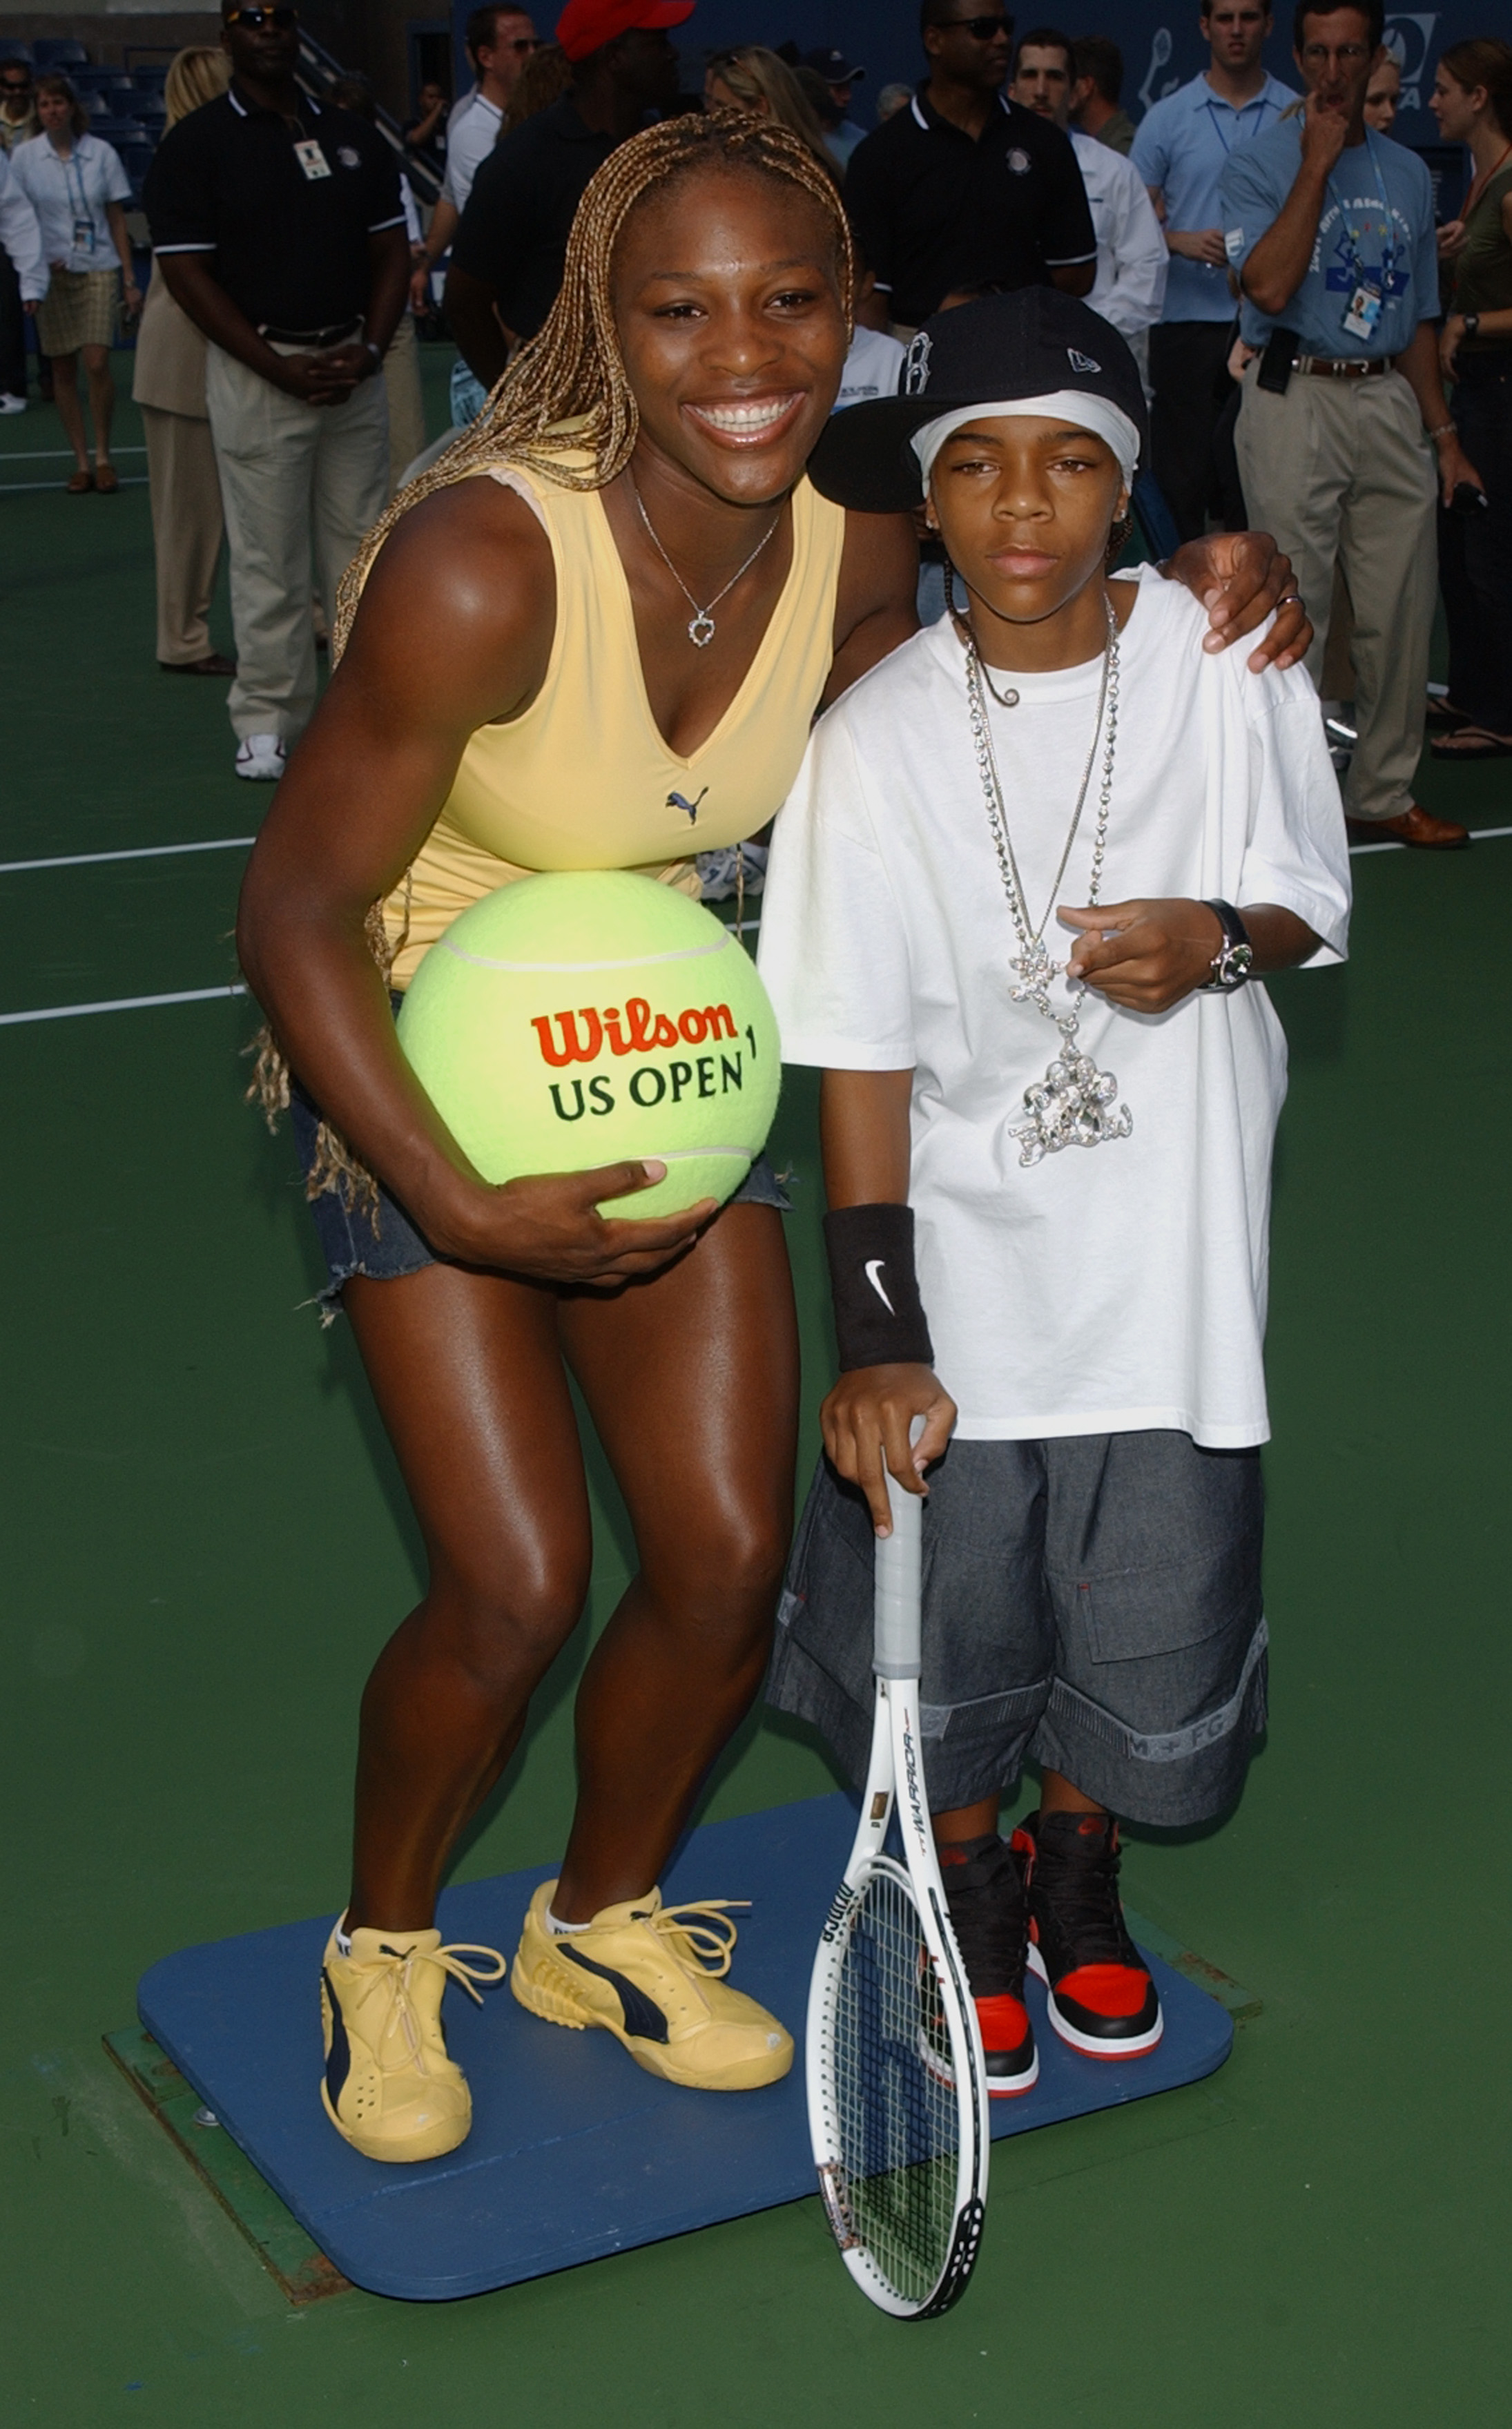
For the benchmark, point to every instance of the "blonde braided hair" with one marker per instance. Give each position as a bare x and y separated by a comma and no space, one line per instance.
565,394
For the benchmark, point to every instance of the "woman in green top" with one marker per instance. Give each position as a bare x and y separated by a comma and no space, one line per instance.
1472,103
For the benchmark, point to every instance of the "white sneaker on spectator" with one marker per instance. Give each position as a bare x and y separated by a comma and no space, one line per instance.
716,870
9,403
261,757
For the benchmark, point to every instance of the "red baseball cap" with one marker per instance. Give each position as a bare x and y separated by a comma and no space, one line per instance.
586,25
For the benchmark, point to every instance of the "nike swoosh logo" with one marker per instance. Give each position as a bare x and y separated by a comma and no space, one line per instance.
871,1269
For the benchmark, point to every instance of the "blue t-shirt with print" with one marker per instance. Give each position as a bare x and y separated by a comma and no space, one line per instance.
1376,229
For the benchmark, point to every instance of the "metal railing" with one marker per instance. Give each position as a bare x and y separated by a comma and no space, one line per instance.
318,72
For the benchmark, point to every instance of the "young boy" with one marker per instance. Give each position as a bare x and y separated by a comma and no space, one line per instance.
1076,1150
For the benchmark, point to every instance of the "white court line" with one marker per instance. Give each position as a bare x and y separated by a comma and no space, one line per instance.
53,454
119,1003
26,488
144,851
1477,834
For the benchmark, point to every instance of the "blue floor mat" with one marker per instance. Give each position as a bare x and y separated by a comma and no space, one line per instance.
575,2153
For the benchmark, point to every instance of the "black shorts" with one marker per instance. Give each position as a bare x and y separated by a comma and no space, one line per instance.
1092,1603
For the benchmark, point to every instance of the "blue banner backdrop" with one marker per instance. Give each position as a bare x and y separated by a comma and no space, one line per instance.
1162,46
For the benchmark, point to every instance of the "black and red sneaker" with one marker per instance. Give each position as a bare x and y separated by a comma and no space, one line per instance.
984,1889
1100,1996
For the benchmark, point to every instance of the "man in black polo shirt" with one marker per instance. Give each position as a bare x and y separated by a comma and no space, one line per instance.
277,227
510,247
963,193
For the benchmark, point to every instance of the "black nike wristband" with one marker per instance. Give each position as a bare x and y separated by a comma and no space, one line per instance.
880,1318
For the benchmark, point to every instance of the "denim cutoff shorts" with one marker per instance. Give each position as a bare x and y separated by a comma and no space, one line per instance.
1091,1603
379,1240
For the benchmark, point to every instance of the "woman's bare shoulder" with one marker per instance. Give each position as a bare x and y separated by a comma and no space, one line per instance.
462,595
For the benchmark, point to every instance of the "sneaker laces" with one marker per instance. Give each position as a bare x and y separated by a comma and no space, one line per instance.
985,1895
707,1942
451,1962
1080,1884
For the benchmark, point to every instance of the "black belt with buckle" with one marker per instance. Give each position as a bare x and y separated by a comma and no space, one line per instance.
1344,366
334,335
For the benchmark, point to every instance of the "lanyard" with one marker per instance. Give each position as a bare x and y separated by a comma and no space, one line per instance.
1392,250
1478,189
1261,102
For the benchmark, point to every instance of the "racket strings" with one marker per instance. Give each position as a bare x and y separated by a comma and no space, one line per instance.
896,2111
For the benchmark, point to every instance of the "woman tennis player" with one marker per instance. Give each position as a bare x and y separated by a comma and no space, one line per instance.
594,636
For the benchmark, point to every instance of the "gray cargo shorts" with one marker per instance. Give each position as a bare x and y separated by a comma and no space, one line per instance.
1092,1603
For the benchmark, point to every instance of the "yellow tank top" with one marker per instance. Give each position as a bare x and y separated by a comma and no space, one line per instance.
585,779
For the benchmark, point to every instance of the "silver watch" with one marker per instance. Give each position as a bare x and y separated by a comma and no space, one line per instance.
1235,958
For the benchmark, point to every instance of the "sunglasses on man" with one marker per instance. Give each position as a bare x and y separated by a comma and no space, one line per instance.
255,21
982,29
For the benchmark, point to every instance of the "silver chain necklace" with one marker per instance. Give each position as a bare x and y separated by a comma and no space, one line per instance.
1073,1105
701,628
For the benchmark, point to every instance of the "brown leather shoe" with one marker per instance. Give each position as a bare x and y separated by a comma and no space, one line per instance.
1417,828
214,664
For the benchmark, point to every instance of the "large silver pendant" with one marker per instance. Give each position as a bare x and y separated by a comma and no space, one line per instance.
1074,1104
700,632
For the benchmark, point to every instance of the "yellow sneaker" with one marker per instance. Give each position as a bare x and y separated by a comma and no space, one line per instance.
652,1975
389,2086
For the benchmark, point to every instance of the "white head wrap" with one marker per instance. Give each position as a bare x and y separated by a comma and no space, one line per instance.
1072,404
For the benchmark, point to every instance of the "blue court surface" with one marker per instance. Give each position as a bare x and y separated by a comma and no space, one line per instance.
575,2153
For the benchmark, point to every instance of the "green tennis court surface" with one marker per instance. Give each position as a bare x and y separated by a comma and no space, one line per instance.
206,1541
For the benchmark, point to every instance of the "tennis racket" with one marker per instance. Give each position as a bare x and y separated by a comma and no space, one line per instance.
897,2112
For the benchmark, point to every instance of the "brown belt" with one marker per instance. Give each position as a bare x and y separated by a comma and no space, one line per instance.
1344,366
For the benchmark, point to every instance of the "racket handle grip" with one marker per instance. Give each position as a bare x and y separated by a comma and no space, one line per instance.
896,1639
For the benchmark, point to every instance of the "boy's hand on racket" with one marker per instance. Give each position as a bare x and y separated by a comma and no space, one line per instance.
546,1226
1145,955
866,1422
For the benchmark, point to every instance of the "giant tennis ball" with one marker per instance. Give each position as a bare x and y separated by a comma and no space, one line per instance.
569,1020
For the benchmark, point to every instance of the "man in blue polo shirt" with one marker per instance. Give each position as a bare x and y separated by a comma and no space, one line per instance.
1180,151
1330,227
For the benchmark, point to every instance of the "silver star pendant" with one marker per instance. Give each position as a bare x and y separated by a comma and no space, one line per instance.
1036,972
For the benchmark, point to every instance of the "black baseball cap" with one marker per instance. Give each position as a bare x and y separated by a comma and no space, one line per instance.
833,66
1033,342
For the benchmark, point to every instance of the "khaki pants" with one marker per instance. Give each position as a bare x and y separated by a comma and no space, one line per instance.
289,473
187,529
406,406
1340,473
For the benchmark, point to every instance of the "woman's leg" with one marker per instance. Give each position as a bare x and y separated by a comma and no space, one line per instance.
467,1374
70,411
102,398
693,1382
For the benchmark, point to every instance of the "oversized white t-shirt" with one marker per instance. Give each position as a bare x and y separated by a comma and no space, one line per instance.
1106,1289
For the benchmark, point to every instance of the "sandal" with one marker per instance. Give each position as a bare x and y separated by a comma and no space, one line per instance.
1442,716
1470,742
80,484
107,480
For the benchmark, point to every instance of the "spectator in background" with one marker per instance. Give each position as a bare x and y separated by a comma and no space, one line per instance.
511,245
1331,230
545,75
402,363
1473,104
838,77
1129,288
963,191
168,384
499,41
1098,67
78,189
277,225
1384,98
425,133
758,81
1180,151
890,99
18,124
22,284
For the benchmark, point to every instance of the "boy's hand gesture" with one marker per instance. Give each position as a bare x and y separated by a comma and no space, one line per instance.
1145,955
866,1421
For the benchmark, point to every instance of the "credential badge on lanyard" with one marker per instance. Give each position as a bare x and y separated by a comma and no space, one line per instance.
1367,301
83,216
312,159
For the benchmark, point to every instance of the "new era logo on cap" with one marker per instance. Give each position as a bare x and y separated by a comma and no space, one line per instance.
1082,362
